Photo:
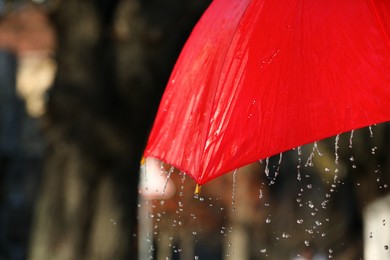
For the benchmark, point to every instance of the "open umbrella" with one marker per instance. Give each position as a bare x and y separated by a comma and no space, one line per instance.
258,77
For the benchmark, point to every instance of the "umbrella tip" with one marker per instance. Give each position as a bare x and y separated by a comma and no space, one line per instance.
197,189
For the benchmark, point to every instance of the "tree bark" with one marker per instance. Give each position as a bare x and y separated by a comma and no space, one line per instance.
114,58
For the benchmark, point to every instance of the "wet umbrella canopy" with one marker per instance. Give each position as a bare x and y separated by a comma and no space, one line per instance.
258,77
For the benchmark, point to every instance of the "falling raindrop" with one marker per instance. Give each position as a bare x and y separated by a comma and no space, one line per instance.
336,148
168,176
330,253
371,132
310,231
234,190
279,163
309,161
351,139
299,149
266,169
261,194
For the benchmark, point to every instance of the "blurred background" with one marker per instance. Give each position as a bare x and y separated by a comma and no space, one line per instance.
80,82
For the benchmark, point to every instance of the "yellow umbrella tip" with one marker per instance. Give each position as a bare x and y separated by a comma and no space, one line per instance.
197,189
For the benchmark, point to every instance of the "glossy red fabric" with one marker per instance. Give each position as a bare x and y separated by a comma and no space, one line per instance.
258,77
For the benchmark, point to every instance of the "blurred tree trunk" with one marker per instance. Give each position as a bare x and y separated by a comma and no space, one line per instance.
114,58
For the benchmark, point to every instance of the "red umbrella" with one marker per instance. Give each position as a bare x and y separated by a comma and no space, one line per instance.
258,77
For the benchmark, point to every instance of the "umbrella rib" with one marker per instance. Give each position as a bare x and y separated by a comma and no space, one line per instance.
219,78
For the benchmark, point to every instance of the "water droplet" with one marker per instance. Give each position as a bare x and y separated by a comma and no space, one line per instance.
234,190
370,236
307,243
267,220
386,247
264,250
300,221
336,148
310,231
266,169
168,177
196,257
350,139
279,163
318,223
